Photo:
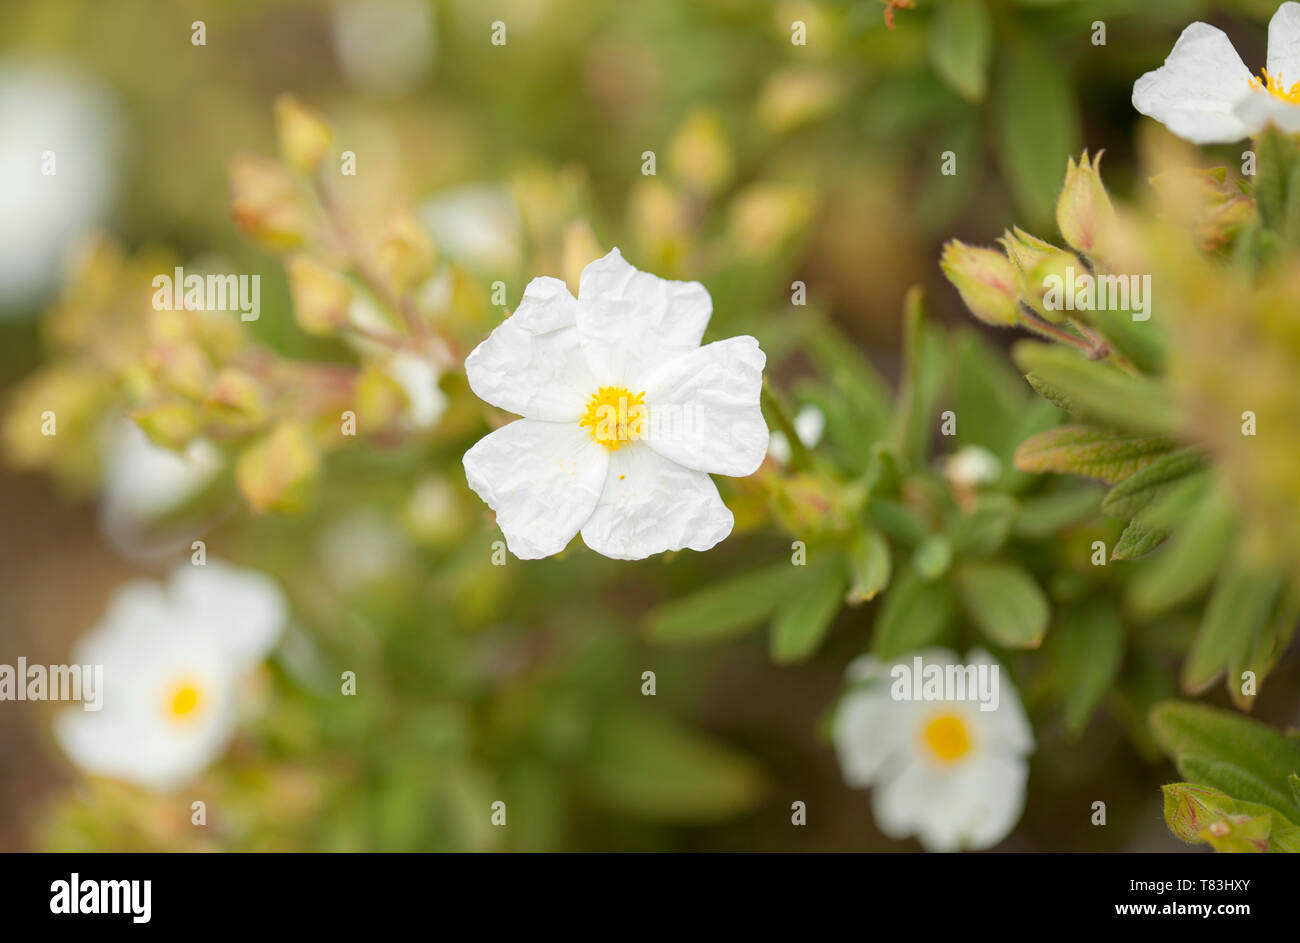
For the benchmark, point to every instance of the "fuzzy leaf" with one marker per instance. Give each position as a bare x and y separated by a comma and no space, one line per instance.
1097,391
1150,482
1138,539
1091,452
1005,602
723,610
801,623
916,613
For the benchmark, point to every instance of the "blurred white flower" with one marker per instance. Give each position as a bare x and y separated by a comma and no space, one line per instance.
174,657
972,466
418,378
384,45
50,113
1205,93
477,225
625,416
809,423
946,771
143,480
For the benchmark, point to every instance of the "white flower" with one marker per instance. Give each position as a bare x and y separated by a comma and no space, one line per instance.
143,481
418,378
809,424
625,416
1205,93
477,225
174,658
972,466
947,772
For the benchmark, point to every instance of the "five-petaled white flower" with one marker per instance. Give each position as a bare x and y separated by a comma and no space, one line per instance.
173,658
1205,93
945,771
625,416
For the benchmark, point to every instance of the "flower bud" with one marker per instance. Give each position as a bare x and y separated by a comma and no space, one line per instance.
406,252
321,296
279,471
701,154
267,202
304,138
986,281
1083,211
236,400
172,425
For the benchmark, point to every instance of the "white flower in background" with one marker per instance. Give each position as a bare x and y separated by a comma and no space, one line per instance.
384,45
143,481
945,771
477,225
1205,93
418,378
809,424
625,416
50,109
971,467
174,658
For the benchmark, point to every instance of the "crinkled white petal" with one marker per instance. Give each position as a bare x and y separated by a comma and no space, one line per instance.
869,731
243,611
702,408
543,479
1194,92
532,364
631,321
651,504
1284,43
1259,109
971,805
1005,730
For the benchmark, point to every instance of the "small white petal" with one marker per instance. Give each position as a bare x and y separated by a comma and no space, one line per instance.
418,378
243,610
868,731
1005,730
542,478
532,364
1194,92
703,408
631,321
1284,44
1259,109
651,504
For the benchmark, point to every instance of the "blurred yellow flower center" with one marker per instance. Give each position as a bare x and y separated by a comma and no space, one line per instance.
184,701
1274,85
614,415
947,737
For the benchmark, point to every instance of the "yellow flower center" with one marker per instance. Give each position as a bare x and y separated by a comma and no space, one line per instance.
183,701
614,416
947,737
1274,85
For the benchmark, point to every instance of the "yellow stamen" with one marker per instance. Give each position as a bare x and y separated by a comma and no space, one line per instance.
947,737
615,416
184,701
1274,85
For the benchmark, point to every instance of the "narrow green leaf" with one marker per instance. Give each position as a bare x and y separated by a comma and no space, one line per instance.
1038,128
725,609
1044,515
1185,567
1090,452
1090,647
916,613
1138,540
923,375
1098,391
1151,482
1004,601
985,528
801,623
1237,782
1276,159
1239,606
961,45
869,566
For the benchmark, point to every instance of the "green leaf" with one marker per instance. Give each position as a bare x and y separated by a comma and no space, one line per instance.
1038,128
1138,540
1044,515
1286,840
1091,452
923,375
1219,736
725,609
869,565
1150,482
1276,159
933,557
1186,566
801,623
1004,601
916,613
647,765
1236,782
984,530
961,45
1097,391
1142,342
1090,647
1239,606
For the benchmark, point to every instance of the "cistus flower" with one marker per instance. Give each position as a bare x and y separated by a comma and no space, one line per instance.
945,771
625,416
174,658
1205,94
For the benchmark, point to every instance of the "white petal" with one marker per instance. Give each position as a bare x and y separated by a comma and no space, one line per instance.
631,321
1194,92
241,610
542,478
1259,109
703,408
651,504
1005,730
532,363
418,378
1284,44
867,732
